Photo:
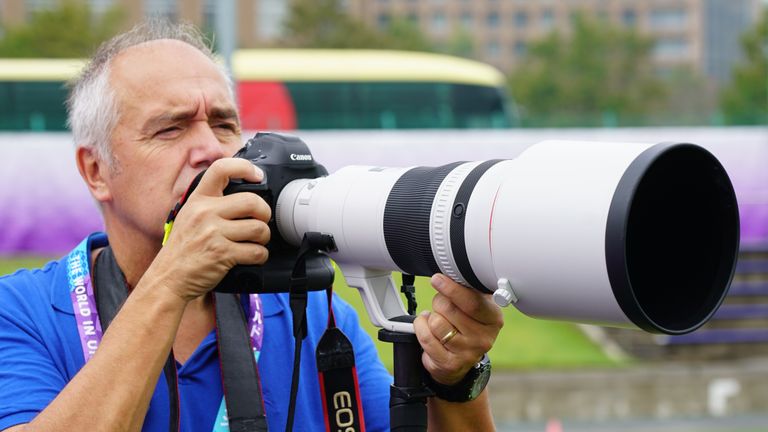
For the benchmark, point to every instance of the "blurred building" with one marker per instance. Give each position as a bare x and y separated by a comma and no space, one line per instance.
703,34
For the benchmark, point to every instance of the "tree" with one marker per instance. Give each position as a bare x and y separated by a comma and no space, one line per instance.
745,100
403,34
461,43
597,74
323,24
69,30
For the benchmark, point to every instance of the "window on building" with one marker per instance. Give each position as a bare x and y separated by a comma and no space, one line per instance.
602,15
520,48
39,5
383,20
547,19
492,49
438,23
521,19
209,15
161,9
671,48
492,19
467,20
270,15
34,6
100,7
668,18
629,17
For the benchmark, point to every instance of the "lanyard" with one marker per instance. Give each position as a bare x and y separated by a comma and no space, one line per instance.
89,324
81,293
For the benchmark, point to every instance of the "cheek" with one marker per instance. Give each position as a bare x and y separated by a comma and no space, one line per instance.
232,146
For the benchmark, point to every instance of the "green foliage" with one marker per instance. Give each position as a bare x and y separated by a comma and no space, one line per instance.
404,34
745,101
323,24
690,99
596,71
460,43
69,30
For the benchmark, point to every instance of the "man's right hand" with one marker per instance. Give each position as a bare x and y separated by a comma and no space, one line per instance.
212,232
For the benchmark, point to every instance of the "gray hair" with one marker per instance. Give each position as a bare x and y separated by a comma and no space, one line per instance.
92,109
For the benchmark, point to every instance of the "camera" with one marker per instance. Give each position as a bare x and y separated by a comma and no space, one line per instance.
620,234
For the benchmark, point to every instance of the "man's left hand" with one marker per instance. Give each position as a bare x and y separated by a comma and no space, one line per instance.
462,326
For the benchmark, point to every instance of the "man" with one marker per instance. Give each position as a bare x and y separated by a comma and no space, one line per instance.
151,111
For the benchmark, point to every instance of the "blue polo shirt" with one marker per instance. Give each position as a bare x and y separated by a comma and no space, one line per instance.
40,352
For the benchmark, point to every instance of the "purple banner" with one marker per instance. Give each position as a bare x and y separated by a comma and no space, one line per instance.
47,210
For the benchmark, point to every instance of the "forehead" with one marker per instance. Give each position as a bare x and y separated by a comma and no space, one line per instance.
156,74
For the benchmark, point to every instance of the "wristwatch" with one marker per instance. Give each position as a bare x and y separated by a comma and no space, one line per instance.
469,388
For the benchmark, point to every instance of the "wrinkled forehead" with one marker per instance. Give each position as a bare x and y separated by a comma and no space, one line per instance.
164,71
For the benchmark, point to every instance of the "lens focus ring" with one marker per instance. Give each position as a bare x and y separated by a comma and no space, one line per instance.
440,220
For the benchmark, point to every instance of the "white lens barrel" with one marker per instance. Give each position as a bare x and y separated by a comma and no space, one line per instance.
349,204
621,234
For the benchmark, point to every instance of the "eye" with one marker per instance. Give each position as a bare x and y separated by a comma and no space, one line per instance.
229,127
168,132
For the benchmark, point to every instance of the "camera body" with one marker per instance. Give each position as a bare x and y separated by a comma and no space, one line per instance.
283,159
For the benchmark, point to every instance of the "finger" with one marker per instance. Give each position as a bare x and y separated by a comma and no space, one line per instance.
472,336
477,305
218,175
246,230
248,253
442,329
427,339
466,324
444,366
243,205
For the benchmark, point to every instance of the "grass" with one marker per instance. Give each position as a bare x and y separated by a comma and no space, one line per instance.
9,265
524,343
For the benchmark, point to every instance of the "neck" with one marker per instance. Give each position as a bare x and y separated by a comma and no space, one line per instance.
134,252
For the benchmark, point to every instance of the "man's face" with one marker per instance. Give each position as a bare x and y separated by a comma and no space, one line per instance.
176,118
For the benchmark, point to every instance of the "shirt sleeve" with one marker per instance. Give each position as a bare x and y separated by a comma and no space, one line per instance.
29,378
373,377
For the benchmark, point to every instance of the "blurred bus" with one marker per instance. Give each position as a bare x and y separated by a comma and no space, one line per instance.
287,89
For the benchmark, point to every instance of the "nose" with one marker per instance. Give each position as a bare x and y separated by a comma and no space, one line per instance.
206,148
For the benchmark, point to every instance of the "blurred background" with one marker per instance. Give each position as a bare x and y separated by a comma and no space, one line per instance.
427,82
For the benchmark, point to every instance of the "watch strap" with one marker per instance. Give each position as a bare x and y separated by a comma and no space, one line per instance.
469,388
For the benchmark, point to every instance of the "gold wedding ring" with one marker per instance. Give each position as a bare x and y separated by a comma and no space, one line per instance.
445,339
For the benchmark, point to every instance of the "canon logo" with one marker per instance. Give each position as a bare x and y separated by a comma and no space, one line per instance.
301,157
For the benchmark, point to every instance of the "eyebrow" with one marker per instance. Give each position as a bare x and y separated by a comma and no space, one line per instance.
216,113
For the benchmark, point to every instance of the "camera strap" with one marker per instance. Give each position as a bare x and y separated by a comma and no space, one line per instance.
339,388
239,372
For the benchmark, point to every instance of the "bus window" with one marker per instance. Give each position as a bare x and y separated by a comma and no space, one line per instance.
479,107
32,105
395,105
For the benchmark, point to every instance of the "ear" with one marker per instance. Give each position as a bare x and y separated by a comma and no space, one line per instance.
95,173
